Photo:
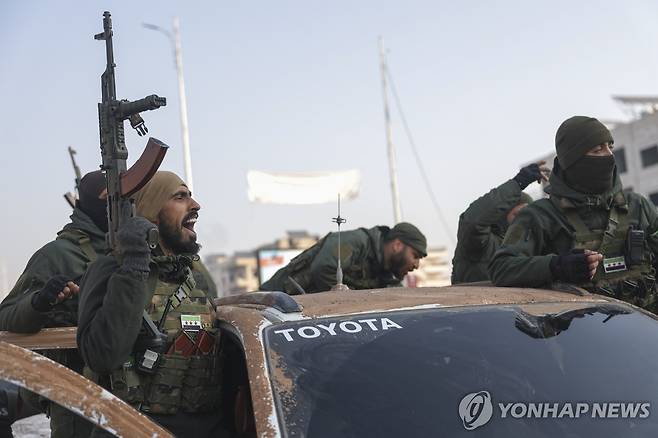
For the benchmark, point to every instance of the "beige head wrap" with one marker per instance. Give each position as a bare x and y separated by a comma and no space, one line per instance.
150,199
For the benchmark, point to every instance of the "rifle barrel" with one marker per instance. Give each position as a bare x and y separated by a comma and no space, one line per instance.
76,169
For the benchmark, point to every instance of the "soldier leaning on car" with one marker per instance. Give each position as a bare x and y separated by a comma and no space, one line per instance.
588,232
45,294
178,390
484,223
371,258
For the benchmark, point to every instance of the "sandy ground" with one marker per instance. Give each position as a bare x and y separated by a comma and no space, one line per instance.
37,426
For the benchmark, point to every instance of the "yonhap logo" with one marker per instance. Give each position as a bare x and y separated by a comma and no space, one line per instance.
475,409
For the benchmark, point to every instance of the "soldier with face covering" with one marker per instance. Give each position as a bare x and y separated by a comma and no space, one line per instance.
179,391
588,232
46,293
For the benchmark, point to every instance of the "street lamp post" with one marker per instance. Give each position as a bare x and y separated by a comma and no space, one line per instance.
392,166
178,59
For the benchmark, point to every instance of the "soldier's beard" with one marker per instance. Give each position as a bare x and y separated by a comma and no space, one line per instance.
173,238
399,265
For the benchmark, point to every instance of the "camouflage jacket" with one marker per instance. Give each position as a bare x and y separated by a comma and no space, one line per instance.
481,230
76,245
542,231
362,260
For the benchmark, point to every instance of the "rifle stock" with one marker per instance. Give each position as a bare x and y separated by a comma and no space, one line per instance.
70,199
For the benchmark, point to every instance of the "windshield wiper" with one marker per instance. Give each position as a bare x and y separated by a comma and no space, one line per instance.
547,326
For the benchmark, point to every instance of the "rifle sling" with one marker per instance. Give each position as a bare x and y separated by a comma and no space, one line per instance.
177,298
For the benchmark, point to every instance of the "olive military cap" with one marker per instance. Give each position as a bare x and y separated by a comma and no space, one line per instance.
410,235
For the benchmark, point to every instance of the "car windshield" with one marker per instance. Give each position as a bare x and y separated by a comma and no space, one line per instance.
486,371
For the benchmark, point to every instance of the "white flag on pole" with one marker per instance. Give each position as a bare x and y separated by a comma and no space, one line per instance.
302,187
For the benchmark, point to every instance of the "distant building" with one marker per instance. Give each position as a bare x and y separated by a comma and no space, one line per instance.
240,272
636,150
434,269
636,146
295,239
233,274
276,255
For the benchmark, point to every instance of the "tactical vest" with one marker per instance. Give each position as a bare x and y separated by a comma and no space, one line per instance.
298,271
65,314
190,383
81,239
626,271
361,276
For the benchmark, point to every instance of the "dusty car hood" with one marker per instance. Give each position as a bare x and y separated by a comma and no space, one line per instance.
69,389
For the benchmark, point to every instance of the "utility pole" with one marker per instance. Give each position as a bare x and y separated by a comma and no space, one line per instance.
392,166
182,99
187,155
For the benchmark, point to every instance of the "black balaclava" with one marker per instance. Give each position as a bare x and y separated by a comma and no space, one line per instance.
91,187
591,175
584,173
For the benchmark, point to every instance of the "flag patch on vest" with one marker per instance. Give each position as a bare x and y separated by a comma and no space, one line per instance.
614,264
191,322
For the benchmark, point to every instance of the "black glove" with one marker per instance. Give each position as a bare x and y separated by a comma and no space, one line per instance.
527,175
45,299
571,268
134,248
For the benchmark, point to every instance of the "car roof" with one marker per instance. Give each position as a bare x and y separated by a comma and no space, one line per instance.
337,303
348,302
248,315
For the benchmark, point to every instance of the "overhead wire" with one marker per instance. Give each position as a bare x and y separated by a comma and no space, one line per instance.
447,229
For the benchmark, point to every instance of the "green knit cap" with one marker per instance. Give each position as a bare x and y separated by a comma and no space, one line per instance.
576,136
410,235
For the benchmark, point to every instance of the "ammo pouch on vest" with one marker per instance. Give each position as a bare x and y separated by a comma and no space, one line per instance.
191,384
201,384
125,383
163,388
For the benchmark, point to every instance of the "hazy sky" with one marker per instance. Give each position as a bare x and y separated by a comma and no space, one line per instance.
294,86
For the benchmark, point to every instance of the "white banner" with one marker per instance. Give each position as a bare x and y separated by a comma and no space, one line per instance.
302,187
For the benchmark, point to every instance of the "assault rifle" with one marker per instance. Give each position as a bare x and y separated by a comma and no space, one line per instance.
72,197
122,182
